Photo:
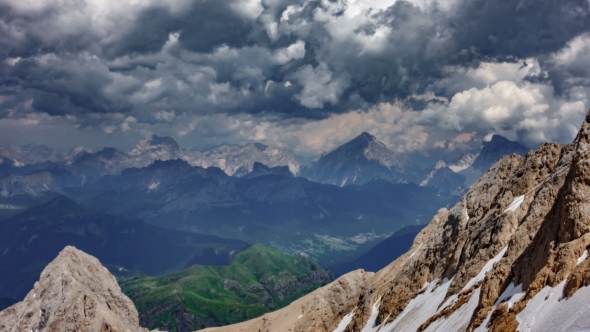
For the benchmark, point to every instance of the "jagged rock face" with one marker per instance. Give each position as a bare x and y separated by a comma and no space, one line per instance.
493,150
464,162
240,160
514,225
74,293
260,169
360,161
512,254
32,185
154,148
444,179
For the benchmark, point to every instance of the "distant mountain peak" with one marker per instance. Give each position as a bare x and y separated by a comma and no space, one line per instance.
238,160
366,136
361,160
163,140
492,151
499,139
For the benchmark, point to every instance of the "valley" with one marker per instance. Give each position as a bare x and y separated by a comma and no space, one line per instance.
257,281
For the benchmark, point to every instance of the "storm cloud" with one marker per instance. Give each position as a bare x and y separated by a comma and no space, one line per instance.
243,70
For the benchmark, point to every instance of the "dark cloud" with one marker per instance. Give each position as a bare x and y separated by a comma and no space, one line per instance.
102,62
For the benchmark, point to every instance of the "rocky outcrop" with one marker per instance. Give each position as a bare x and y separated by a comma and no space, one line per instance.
74,293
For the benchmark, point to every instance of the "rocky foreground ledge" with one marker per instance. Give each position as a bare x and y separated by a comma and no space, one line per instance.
75,293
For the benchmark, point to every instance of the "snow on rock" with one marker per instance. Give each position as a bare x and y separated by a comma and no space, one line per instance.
549,311
583,257
419,309
345,321
153,185
512,295
515,203
371,326
459,319
482,274
415,251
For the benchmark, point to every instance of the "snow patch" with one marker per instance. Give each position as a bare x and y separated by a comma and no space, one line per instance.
345,321
415,251
344,181
458,320
515,203
548,311
583,257
511,294
371,325
482,274
421,308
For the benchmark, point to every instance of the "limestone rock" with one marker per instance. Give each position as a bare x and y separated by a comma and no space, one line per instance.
74,293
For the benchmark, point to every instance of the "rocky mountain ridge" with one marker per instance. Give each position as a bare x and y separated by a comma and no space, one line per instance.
356,162
359,161
240,160
518,261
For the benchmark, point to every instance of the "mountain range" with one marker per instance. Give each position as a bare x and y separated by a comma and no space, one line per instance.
511,255
31,239
358,161
292,214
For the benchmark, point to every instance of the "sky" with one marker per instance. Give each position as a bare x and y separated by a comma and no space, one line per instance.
300,74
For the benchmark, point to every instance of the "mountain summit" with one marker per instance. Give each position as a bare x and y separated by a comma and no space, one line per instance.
361,160
493,150
74,293
154,148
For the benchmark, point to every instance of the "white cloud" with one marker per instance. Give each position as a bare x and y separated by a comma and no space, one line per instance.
320,86
165,115
504,102
294,51
249,9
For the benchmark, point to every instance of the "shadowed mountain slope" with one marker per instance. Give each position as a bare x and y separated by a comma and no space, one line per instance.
28,241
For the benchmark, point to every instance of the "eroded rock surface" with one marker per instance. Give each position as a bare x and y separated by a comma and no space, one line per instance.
74,293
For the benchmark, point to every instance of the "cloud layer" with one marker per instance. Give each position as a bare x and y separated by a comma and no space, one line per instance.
304,74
